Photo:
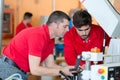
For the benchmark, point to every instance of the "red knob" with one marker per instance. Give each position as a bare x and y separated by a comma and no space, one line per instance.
100,71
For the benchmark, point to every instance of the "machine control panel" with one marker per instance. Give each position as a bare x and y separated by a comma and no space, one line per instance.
105,72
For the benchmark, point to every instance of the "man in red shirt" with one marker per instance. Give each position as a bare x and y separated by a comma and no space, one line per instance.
32,46
25,23
82,37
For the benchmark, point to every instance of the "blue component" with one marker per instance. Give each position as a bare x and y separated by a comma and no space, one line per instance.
70,24
102,77
59,48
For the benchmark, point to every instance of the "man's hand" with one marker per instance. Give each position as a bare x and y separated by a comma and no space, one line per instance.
66,70
83,66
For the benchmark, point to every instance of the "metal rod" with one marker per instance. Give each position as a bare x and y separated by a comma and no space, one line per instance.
87,64
79,58
1,22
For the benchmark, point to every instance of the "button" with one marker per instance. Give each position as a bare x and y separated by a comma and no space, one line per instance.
100,71
102,77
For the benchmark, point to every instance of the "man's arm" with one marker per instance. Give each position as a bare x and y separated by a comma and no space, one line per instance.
36,69
49,62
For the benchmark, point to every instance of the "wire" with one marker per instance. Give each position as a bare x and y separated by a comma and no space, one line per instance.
15,76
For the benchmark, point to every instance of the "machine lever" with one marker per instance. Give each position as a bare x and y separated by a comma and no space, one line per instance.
79,58
63,74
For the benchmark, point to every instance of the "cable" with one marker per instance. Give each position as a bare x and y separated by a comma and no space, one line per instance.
15,76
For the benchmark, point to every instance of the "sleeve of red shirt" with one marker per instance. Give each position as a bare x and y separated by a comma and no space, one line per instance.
69,52
107,40
35,45
106,35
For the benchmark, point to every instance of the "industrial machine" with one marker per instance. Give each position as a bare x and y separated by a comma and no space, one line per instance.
94,72
109,71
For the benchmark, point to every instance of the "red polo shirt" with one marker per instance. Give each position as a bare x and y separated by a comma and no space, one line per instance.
35,41
22,26
74,44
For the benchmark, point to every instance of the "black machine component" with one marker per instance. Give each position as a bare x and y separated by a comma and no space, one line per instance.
79,58
63,74
114,73
77,69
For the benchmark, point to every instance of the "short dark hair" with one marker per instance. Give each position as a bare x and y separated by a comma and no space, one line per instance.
81,18
57,16
27,15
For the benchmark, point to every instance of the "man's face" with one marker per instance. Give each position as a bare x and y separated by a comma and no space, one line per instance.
84,32
62,28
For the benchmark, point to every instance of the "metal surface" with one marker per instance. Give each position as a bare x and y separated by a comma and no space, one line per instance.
87,64
1,22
